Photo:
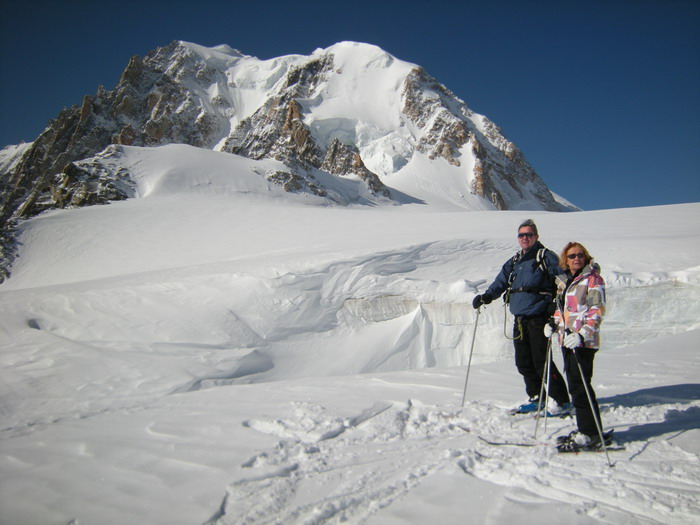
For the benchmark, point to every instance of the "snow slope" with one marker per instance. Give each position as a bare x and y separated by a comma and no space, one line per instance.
216,351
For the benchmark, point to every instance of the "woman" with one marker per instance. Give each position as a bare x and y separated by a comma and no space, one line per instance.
580,309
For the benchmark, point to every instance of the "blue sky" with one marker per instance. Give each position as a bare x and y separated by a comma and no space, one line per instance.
602,97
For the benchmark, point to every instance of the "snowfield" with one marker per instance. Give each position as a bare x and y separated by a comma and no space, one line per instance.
217,351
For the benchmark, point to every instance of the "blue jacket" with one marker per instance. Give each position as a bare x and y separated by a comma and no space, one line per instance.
530,281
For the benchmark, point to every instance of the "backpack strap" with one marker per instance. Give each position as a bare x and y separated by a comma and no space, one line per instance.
511,277
541,263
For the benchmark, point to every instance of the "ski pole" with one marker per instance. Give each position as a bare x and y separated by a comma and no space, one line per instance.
544,392
593,411
471,352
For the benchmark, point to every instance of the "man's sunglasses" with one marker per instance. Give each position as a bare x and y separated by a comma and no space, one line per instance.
528,235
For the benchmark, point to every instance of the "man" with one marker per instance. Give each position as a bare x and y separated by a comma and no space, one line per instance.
528,281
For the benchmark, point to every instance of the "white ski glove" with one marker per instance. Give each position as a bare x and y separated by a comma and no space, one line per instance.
573,340
550,328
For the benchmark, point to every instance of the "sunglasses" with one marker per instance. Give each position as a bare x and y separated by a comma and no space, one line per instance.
576,255
528,235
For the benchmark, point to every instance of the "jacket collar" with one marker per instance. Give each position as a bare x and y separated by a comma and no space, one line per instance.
587,270
566,278
533,249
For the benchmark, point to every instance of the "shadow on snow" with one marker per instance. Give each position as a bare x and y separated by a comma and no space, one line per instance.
676,420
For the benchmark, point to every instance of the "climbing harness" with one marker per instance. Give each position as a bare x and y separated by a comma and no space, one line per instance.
542,265
505,325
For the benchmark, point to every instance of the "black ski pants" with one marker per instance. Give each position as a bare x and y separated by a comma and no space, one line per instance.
585,417
531,357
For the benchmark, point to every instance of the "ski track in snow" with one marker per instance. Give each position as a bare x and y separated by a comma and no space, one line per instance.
327,469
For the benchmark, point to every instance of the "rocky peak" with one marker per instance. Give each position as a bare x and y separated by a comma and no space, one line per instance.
329,112
278,130
500,171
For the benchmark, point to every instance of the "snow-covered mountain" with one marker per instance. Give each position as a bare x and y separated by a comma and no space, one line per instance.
351,111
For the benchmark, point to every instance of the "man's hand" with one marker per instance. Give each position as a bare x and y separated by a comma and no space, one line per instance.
480,300
550,328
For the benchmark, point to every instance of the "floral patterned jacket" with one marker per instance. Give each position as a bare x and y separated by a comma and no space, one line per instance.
581,304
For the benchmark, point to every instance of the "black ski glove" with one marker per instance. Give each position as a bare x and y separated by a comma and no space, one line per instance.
480,300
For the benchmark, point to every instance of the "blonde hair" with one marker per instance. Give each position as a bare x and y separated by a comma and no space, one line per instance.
562,256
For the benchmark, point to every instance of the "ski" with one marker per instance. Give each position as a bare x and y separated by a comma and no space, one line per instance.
517,412
528,408
533,409
566,415
510,443
565,446
607,436
609,448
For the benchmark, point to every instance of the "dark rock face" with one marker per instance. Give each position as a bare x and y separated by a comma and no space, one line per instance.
343,160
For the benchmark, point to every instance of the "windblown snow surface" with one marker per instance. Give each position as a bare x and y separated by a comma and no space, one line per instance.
217,351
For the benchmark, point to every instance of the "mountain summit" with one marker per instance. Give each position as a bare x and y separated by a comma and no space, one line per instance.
349,123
